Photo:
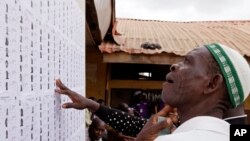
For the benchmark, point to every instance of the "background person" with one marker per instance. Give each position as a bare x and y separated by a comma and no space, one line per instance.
89,115
96,130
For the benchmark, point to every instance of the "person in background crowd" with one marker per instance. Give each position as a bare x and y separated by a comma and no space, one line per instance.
159,104
101,101
88,115
106,135
143,106
96,130
125,108
210,80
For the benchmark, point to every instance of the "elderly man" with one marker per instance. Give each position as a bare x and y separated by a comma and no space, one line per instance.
209,81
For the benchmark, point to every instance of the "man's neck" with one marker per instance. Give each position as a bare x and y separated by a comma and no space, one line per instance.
187,113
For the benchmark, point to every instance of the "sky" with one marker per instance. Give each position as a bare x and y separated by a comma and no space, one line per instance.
184,10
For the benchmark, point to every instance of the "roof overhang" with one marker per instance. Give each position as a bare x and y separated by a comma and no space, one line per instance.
160,42
160,59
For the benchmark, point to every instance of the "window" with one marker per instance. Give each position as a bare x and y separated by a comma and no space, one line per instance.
139,72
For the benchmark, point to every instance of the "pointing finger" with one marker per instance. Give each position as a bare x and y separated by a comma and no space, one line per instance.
60,84
71,105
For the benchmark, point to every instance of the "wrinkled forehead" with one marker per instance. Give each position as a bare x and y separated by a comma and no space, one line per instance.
101,125
200,56
199,52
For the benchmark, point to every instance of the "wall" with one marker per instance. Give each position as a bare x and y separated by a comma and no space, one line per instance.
96,75
40,41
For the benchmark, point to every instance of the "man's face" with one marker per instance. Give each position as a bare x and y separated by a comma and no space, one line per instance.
99,131
186,81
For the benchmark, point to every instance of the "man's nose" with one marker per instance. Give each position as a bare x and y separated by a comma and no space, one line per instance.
174,67
100,132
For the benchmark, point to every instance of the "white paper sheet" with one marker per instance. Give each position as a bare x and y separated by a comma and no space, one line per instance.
40,41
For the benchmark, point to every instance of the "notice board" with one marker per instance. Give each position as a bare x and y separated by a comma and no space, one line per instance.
40,41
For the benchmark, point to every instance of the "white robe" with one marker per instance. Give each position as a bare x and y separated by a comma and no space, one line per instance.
201,128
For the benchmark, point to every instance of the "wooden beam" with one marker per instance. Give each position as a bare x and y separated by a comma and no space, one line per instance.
135,84
120,57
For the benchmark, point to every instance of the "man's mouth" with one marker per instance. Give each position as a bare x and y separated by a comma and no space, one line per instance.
169,80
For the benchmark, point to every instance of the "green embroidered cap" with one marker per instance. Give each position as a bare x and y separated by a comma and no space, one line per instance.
235,70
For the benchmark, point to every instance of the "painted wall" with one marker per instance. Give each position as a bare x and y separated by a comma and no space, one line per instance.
40,41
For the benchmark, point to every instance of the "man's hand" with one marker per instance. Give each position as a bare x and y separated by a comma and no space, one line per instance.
171,113
78,102
153,127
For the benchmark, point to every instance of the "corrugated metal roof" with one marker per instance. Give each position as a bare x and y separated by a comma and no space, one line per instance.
178,37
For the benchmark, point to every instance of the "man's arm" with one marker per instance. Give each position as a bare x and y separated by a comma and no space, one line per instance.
118,120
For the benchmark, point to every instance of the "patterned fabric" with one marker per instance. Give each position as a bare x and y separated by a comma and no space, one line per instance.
235,70
120,121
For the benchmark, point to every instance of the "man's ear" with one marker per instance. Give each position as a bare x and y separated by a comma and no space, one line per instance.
214,83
